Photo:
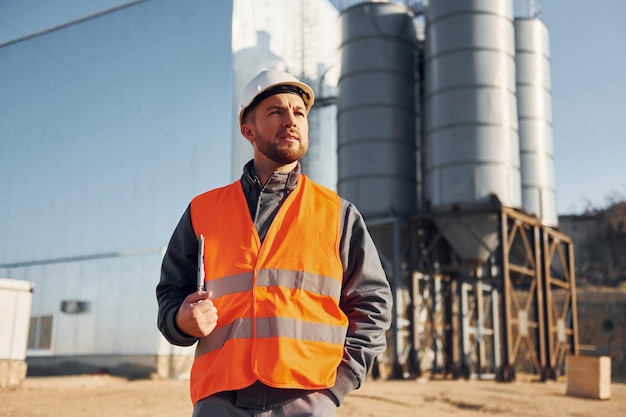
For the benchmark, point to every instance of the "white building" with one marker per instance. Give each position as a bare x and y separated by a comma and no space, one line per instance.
109,125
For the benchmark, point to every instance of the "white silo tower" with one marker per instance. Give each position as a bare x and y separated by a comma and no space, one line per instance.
248,62
307,49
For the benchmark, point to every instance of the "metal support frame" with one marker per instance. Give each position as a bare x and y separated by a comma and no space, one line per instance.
392,239
524,343
530,279
561,313
480,329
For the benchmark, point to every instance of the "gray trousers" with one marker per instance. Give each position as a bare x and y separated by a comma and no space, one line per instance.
314,404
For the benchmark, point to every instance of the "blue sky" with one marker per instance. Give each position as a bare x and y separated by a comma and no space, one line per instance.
588,87
588,100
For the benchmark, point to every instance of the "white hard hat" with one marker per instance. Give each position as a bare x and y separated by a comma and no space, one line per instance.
270,82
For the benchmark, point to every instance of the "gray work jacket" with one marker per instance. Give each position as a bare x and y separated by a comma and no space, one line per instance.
365,299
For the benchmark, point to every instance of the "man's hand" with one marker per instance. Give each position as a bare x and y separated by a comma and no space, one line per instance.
197,316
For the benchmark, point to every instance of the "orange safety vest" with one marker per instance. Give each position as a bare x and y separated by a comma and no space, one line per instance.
278,302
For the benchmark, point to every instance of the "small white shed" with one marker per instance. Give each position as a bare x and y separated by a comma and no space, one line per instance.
15,303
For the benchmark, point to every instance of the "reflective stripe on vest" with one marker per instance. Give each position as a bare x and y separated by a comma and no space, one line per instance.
278,303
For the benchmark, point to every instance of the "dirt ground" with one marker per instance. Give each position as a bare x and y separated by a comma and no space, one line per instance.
103,395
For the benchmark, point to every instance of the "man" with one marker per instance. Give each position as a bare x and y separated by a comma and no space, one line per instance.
295,302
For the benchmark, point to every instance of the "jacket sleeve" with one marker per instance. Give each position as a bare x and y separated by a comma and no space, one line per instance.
178,280
366,299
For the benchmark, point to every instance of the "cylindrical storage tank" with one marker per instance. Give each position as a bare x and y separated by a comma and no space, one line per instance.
320,160
376,109
247,63
534,107
471,146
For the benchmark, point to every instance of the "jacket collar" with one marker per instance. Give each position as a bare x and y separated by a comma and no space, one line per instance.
278,181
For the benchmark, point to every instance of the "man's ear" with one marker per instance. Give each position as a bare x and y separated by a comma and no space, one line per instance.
247,132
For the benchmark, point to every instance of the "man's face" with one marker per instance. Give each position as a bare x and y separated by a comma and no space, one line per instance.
278,128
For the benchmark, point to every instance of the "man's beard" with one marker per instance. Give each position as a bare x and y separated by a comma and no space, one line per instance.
281,154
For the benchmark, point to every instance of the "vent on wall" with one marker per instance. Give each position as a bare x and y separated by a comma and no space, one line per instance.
74,306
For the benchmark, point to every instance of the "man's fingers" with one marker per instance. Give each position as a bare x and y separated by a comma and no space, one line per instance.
198,296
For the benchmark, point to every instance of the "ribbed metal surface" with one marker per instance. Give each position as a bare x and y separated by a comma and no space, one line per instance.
471,142
320,161
534,103
377,110
96,169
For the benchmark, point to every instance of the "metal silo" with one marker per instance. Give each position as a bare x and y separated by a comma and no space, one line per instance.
377,110
534,103
471,143
377,143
